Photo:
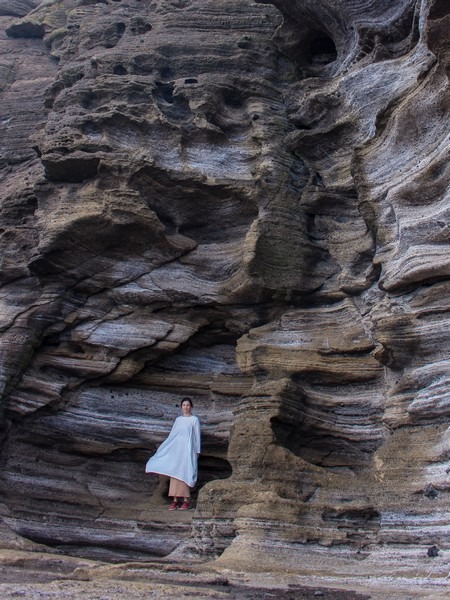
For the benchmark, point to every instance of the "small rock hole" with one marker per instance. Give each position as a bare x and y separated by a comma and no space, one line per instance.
139,26
430,492
89,100
113,34
322,49
120,70
165,91
233,99
433,551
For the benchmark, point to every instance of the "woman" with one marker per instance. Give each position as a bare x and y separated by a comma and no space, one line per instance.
177,456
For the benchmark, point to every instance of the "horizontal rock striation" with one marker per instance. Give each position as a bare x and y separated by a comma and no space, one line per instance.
245,203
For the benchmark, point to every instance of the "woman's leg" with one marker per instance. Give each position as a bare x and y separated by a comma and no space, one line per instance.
178,490
174,504
185,504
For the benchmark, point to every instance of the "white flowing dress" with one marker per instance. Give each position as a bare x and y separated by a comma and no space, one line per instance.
178,455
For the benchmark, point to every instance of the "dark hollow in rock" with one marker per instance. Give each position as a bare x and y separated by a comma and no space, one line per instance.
113,34
322,49
430,492
139,26
72,169
26,29
120,70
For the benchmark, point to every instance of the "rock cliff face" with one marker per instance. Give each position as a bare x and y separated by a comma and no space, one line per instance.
247,203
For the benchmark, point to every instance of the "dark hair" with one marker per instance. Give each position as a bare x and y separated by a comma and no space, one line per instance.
187,400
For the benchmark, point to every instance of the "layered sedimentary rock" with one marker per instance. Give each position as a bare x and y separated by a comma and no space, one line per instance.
246,203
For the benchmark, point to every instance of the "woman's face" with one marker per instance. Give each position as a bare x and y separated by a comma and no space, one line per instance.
186,408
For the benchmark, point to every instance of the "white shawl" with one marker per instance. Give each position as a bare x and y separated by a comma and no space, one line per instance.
178,454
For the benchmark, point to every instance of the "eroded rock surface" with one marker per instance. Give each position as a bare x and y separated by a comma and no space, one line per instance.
246,203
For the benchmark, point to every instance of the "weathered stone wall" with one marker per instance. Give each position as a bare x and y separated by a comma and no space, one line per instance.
242,202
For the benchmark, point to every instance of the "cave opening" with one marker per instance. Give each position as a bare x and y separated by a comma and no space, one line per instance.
322,49
307,44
